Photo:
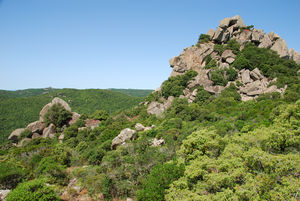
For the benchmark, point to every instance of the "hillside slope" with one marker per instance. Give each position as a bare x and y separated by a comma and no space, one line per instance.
224,126
18,108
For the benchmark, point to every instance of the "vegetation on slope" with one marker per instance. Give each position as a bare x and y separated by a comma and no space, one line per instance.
19,110
216,148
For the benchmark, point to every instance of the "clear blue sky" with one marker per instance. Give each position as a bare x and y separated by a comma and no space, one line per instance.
117,44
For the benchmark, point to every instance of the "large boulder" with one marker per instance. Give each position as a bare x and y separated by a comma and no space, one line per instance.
246,76
36,127
238,21
125,134
49,131
281,48
294,55
15,134
228,54
53,102
265,42
224,23
211,33
218,35
139,127
156,108
273,36
256,75
75,117
257,35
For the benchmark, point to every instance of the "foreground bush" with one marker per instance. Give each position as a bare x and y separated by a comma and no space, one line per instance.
32,191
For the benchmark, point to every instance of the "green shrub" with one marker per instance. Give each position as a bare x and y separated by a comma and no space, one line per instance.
231,74
101,115
212,64
49,168
218,78
10,175
234,46
25,134
159,179
34,190
219,49
202,95
203,38
174,86
57,115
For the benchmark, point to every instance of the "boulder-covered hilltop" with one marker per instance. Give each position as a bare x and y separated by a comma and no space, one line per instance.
253,61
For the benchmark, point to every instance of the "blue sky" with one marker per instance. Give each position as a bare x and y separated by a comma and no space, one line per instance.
117,44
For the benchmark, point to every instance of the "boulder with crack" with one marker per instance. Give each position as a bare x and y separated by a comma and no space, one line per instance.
125,134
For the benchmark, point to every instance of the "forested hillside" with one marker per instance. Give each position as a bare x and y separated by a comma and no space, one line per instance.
134,92
224,126
18,108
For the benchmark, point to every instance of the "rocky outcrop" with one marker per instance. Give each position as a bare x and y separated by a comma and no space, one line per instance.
281,48
140,127
53,102
49,131
15,134
75,117
36,127
125,134
156,108
155,142
255,84
194,58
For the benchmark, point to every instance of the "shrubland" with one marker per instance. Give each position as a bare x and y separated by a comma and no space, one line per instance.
216,148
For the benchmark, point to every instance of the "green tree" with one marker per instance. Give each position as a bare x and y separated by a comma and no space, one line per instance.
57,115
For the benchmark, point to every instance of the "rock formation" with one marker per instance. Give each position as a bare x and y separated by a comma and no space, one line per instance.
157,108
15,134
39,129
194,58
53,102
125,134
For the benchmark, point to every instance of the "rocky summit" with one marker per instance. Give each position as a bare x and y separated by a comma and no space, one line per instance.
251,83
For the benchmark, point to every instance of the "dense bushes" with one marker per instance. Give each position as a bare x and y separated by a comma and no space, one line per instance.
257,165
269,63
174,86
217,76
158,180
203,38
33,190
231,45
10,175
57,115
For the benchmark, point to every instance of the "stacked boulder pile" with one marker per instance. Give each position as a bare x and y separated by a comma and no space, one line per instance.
194,58
38,128
127,134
